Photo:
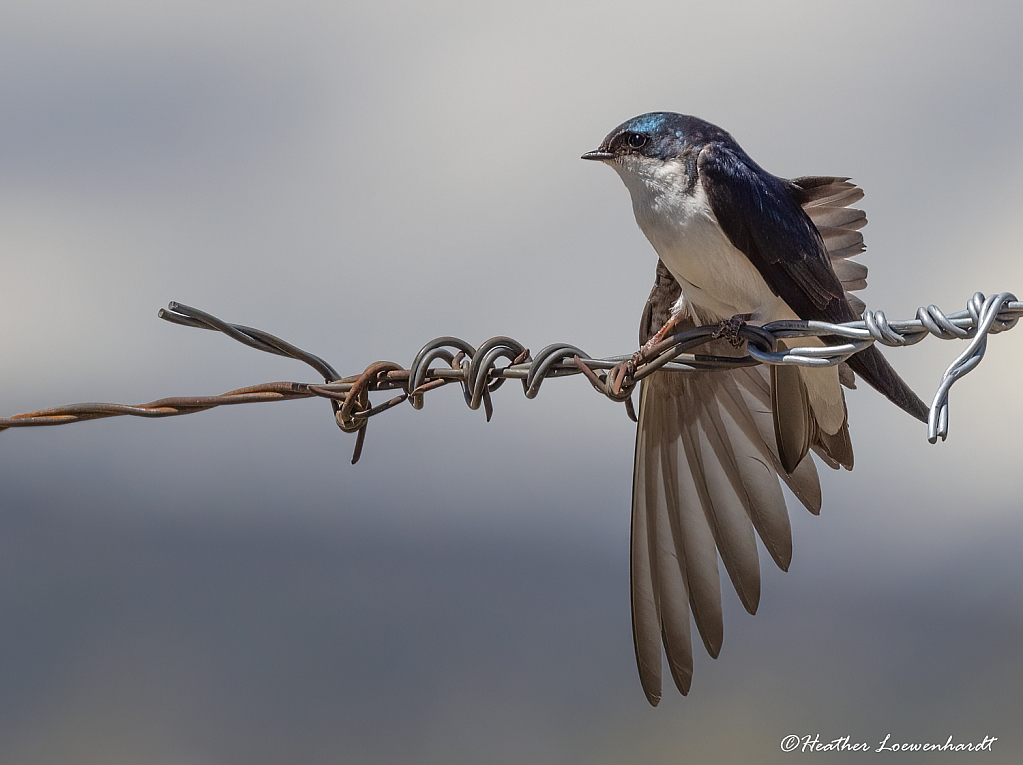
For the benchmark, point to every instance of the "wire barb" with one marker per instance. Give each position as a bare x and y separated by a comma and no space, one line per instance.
479,374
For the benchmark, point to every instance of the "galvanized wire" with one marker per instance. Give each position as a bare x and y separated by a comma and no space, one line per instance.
479,372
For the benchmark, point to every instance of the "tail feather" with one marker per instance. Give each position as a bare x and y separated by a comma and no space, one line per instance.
878,374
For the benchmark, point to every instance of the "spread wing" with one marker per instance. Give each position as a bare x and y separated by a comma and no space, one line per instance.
706,477
707,472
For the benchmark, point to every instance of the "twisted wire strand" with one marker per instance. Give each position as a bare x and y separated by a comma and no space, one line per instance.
479,373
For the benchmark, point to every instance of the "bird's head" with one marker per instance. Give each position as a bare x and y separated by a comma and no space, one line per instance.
657,135
646,147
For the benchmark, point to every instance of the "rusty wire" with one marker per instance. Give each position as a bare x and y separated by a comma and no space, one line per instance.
479,374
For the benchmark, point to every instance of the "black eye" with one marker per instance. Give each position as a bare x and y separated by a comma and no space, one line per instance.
636,140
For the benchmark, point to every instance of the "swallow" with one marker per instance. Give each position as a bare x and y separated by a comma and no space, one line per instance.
712,447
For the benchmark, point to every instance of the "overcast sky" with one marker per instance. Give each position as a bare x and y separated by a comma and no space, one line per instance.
359,178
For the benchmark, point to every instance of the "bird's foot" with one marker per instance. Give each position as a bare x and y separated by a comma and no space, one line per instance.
729,329
645,353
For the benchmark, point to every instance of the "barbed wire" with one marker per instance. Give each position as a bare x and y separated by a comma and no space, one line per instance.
477,369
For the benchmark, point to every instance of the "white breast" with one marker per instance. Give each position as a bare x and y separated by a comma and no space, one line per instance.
717,279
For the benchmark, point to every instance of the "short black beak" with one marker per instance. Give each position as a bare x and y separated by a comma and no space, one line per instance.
598,155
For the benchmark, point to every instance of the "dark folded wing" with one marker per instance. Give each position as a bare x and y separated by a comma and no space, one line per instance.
763,218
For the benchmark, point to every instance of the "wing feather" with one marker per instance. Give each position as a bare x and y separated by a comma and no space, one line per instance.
706,481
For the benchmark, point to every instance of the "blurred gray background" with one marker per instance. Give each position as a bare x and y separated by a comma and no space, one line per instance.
358,178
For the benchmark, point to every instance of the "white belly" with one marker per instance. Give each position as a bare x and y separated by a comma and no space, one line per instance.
717,280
